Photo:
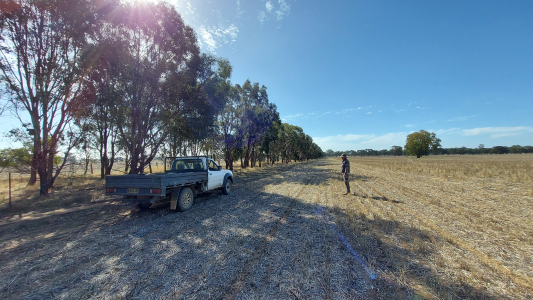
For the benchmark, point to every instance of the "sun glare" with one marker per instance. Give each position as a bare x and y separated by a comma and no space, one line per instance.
140,1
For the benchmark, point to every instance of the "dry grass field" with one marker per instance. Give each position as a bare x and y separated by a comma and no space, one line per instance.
440,227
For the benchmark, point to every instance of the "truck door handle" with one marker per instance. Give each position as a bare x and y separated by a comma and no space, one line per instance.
210,173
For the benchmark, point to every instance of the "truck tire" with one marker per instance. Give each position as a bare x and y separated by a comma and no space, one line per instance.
185,199
226,187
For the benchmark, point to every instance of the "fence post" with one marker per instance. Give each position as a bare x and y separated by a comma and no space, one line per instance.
9,190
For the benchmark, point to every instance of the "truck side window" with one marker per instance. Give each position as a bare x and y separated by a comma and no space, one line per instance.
187,165
212,166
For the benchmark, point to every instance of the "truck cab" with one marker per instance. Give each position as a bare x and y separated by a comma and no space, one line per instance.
215,174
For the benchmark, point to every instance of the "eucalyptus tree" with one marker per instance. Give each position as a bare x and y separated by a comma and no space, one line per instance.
278,144
292,144
42,62
516,149
419,143
306,150
159,56
101,90
396,151
198,98
291,139
317,151
263,118
228,122
256,116
268,142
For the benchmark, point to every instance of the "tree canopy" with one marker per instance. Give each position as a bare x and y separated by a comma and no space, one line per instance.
421,142
42,62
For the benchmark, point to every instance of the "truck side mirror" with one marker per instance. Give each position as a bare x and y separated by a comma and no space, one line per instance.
219,168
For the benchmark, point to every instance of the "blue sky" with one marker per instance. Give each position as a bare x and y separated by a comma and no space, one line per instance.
364,74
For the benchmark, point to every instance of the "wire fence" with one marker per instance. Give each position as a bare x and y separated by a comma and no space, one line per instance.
11,186
14,184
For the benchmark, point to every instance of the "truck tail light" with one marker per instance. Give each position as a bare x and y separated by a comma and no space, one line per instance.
110,190
155,191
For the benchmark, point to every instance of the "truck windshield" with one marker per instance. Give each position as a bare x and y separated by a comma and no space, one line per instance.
187,165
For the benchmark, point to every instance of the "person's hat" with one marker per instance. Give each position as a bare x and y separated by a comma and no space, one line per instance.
343,155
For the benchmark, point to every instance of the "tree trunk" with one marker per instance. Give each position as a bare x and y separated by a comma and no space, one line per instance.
228,160
109,166
50,168
44,185
127,162
102,167
86,166
229,164
134,164
36,149
33,175
252,157
246,158
43,172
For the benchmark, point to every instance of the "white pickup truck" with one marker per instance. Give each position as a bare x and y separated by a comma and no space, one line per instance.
183,178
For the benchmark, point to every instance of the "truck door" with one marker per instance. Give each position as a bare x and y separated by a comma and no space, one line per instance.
215,176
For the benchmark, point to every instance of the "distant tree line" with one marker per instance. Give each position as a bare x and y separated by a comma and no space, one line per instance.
364,152
398,151
116,78
422,142
482,150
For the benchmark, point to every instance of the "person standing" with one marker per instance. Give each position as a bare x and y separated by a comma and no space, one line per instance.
346,172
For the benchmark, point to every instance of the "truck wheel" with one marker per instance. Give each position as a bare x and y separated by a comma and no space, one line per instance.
226,189
144,205
185,199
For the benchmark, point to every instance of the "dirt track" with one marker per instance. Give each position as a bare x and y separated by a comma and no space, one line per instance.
265,241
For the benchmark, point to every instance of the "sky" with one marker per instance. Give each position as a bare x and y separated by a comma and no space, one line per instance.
364,74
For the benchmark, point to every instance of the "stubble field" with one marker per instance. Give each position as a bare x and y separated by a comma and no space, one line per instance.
450,227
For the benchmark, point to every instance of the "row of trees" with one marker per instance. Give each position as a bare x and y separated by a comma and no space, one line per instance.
424,143
482,150
115,78
393,151
398,151
417,143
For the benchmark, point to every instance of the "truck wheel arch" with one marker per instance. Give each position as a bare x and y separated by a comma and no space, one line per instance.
182,198
227,184
226,177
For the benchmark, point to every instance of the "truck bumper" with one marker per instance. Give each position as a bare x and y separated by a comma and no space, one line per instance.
145,199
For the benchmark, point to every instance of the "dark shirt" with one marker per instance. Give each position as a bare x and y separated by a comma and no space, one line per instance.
345,166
